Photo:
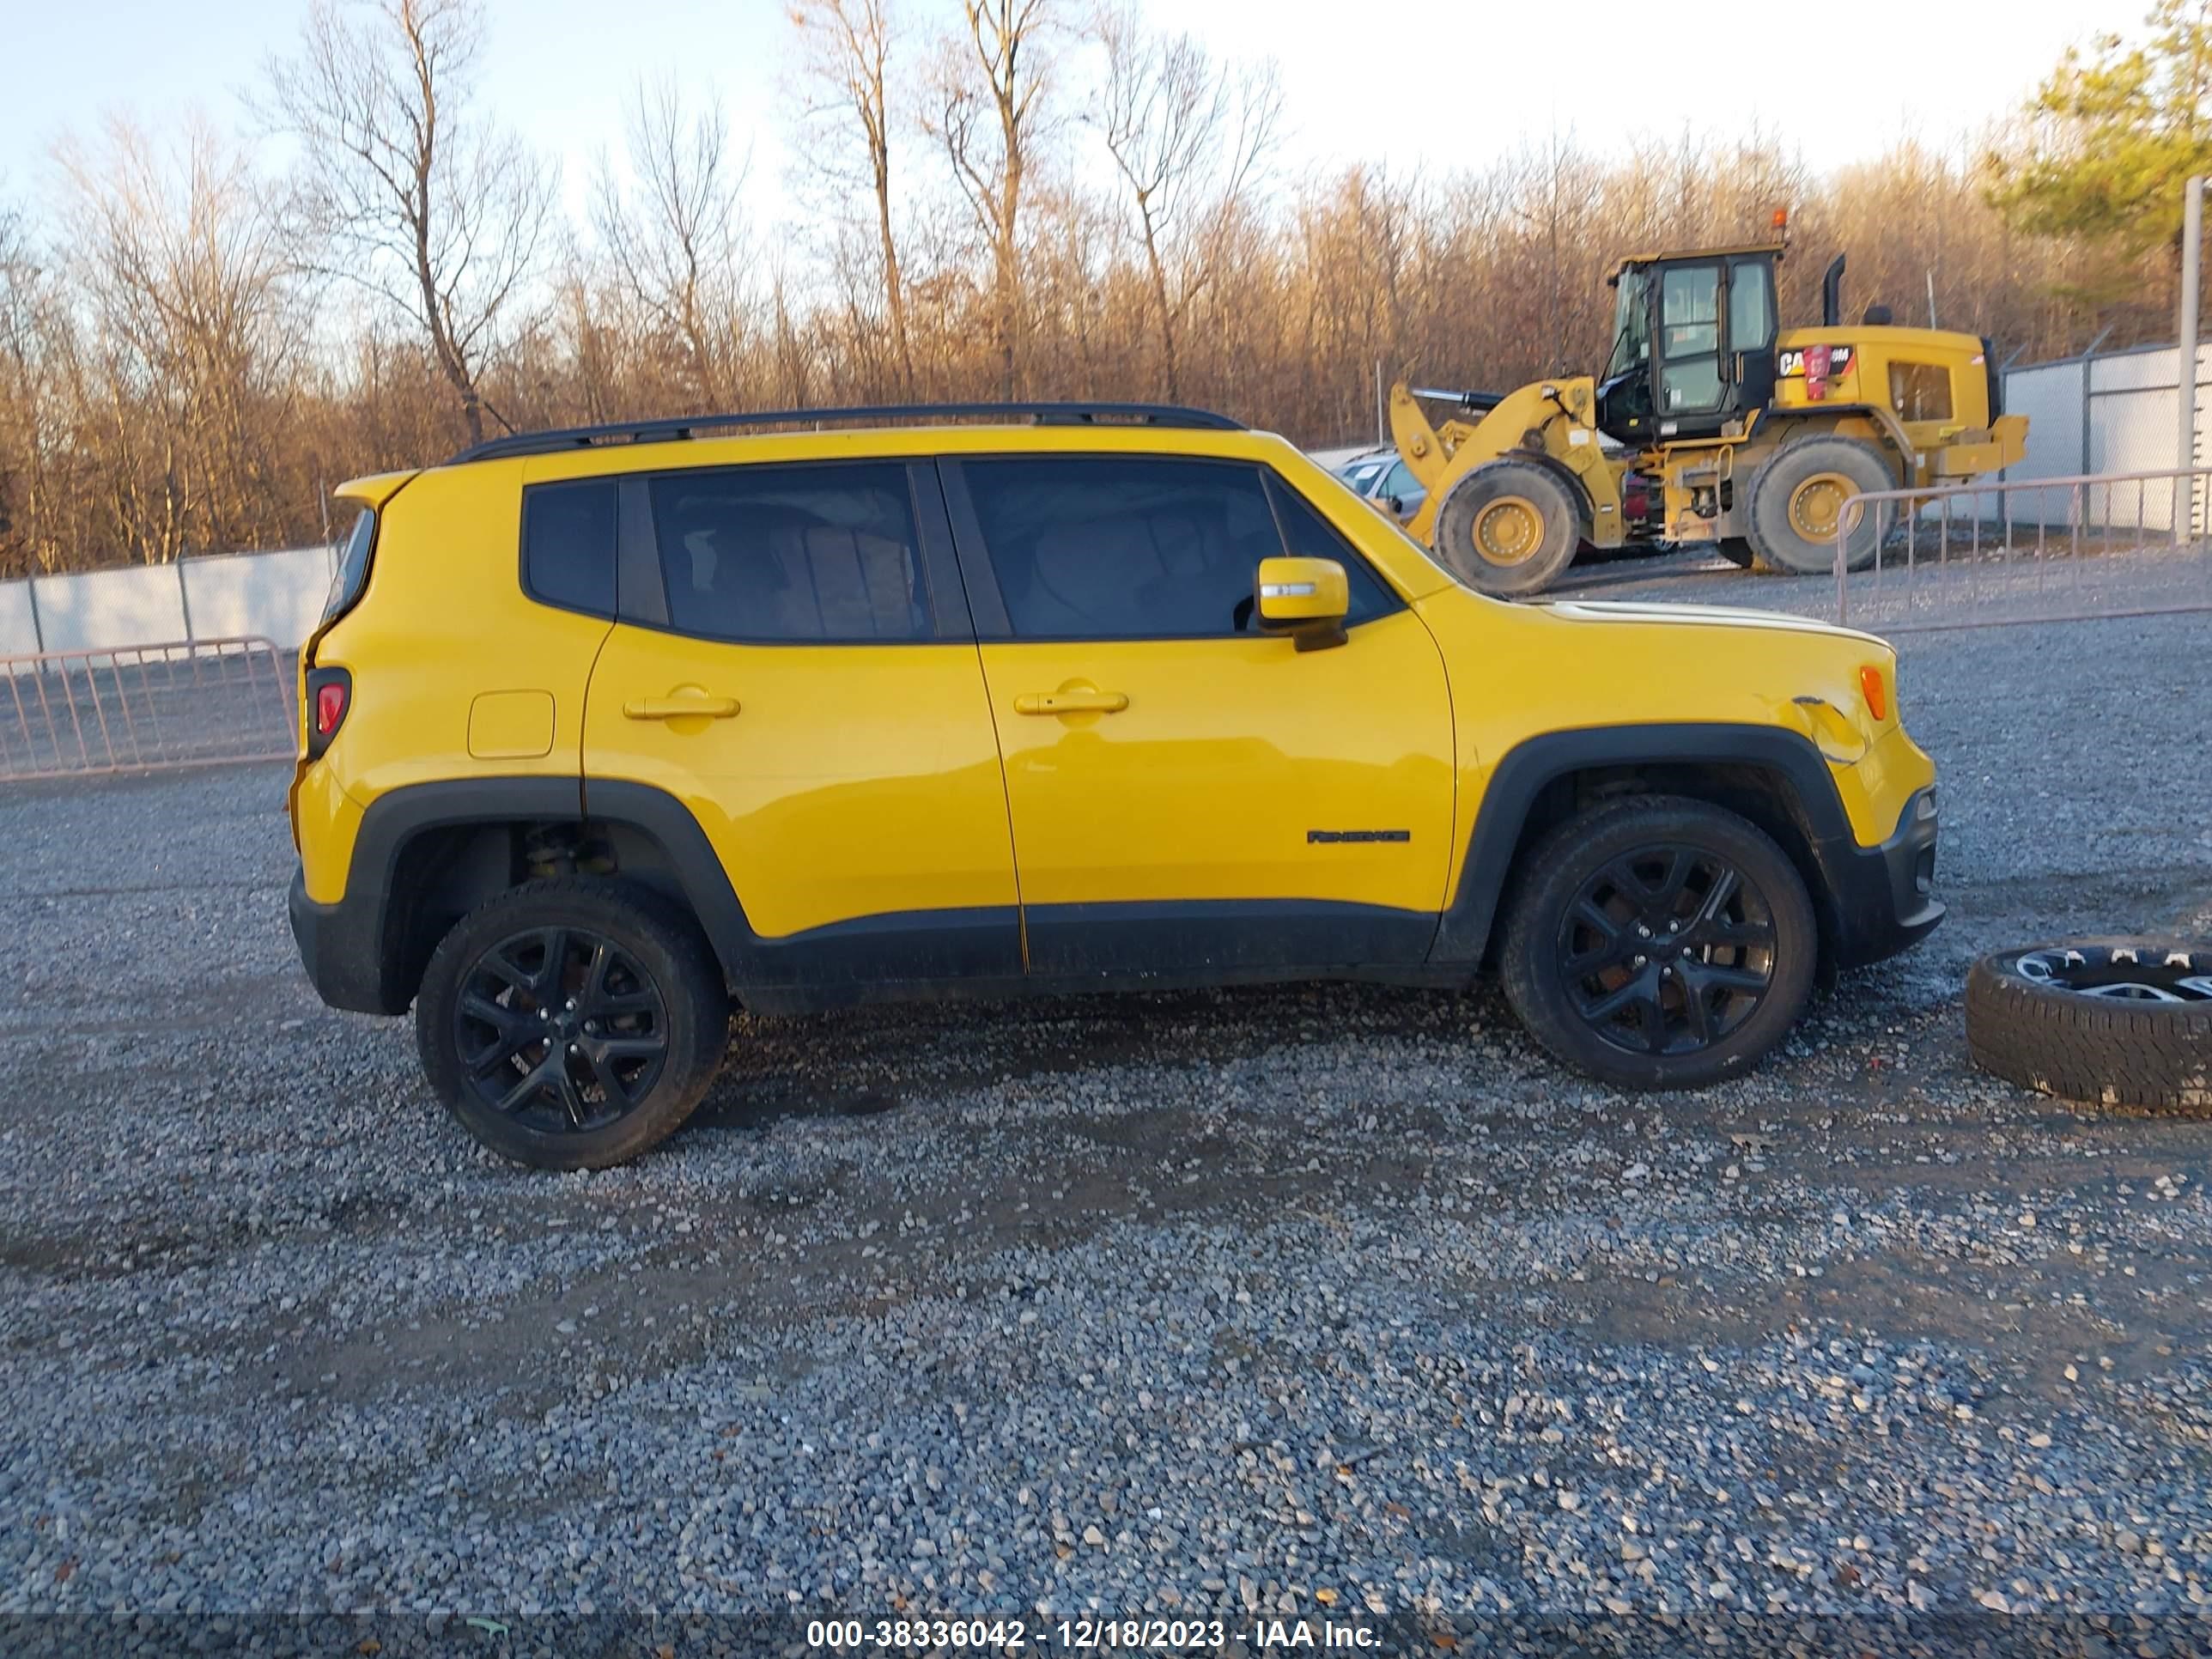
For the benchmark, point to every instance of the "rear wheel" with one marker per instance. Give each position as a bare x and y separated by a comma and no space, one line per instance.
1659,942
1508,527
1799,502
572,1023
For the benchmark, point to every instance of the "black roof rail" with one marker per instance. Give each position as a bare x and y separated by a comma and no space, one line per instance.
688,425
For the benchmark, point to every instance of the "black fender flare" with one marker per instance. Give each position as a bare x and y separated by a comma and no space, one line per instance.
379,957
1523,772
373,955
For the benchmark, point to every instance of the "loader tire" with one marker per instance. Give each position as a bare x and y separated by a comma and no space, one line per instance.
1798,496
1508,527
2100,1022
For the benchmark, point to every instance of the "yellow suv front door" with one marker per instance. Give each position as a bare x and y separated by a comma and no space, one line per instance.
1188,797
794,663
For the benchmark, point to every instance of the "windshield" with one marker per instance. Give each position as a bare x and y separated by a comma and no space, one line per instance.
1631,327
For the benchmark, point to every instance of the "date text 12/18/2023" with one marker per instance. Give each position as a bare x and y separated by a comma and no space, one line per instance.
1088,1635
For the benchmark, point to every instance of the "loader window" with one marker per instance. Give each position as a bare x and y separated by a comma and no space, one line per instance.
1690,339
1920,392
1631,326
1750,306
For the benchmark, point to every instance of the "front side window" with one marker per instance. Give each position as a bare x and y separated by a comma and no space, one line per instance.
1142,548
1307,535
1631,326
1130,549
772,554
569,544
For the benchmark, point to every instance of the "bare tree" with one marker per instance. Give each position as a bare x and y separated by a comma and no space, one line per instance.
846,53
675,239
1187,138
187,267
28,420
985,112
444,215
158,392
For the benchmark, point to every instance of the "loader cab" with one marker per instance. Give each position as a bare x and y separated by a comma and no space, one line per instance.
1692,344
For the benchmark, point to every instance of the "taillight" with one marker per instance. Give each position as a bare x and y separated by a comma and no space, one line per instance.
1872,688
329,696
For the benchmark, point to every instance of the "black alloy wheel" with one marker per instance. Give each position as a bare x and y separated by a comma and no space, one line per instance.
1667,950
572,1023
561,1029
1658,942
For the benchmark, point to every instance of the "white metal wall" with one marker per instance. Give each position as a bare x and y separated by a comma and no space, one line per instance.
277,596
2108,412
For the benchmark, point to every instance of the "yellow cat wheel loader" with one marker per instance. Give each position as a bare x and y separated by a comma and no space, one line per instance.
1709,423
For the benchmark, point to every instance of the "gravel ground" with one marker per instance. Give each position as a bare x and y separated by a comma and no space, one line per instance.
1334,1303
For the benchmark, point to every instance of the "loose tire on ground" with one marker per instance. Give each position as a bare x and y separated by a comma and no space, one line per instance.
2090,1022
1687,916
1797,495
1508,527
572,1023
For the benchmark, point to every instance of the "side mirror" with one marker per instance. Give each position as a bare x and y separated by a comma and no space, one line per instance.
1305,598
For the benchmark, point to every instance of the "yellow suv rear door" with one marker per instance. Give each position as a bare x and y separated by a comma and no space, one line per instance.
1189,797
793,662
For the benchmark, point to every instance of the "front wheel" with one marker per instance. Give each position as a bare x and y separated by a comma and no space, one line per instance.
1508,527
1659,942
572,1023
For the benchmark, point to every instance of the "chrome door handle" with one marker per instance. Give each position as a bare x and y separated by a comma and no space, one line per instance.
1072,702
679,708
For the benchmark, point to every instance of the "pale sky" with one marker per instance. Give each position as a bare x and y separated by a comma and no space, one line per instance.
1406,86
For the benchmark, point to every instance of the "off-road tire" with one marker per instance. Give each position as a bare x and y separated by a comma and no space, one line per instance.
1553,876
1490,491
1778,542
660,948
2095,1050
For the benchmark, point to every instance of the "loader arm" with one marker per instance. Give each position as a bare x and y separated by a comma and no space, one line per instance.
1547,418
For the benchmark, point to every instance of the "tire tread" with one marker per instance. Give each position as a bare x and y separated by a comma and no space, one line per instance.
2092,1052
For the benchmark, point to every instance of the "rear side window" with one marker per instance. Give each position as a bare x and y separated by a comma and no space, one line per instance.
569,544
1750,307
1124,550
774,554
351,574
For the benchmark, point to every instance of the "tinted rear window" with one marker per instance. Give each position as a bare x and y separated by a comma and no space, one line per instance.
569,544
792,553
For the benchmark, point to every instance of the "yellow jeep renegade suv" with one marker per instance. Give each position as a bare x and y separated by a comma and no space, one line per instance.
607,727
